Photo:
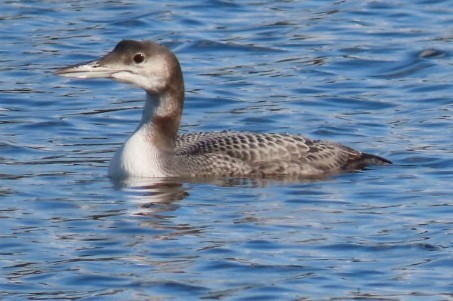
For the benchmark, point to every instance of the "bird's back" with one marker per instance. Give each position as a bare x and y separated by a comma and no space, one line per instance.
246,153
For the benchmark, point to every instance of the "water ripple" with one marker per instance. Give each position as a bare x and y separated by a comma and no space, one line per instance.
374,75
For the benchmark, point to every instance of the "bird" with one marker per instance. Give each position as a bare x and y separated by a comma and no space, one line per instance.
156,150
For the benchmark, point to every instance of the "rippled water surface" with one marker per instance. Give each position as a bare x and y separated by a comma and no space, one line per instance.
375,75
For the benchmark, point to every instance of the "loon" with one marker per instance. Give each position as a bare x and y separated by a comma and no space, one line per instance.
155,149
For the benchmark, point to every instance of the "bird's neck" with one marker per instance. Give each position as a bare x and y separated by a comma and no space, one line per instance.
149,150
161,119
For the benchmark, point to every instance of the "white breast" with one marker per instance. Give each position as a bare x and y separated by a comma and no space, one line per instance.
137,157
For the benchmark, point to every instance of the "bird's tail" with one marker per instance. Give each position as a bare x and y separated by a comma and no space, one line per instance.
370,159
365,159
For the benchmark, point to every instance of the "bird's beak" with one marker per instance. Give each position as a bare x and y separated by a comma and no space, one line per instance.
91,69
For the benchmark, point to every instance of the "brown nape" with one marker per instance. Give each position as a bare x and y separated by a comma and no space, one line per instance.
165,131
172,100
175,83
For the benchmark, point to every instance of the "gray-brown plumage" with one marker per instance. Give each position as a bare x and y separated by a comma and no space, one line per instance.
155,149
253,154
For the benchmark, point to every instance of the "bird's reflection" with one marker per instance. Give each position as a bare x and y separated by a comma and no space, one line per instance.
155,195
158,203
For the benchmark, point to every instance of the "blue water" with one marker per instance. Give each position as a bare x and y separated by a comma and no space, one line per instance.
375,75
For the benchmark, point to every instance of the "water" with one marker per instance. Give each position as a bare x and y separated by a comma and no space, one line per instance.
375,75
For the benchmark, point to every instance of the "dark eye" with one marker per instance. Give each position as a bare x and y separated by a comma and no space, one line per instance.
139,58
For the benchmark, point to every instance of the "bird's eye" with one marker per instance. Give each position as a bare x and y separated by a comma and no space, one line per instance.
139,58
